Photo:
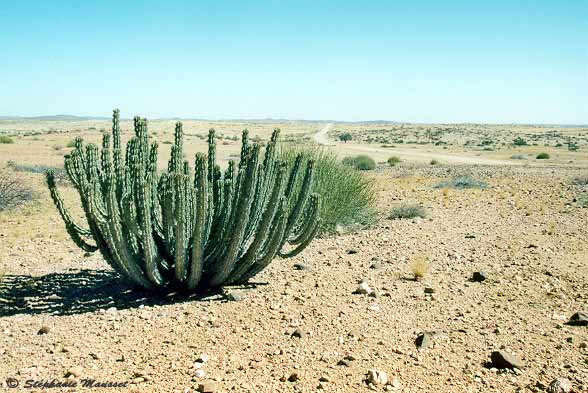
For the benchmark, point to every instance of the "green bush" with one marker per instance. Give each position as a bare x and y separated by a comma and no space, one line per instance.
392,161
518,141
408,210
542,156
361,162
5,139
347,196
344,137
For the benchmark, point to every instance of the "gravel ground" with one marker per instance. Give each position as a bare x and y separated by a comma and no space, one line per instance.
63,315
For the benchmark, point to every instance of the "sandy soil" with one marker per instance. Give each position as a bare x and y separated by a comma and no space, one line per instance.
525,231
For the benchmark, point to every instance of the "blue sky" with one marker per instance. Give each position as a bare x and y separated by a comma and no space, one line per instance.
419,61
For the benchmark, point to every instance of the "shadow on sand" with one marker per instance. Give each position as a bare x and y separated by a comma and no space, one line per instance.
81,292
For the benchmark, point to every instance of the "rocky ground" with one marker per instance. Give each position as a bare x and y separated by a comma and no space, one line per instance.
305,327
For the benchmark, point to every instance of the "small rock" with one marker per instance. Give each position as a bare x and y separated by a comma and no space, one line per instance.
298,333
479,276
377,377
395,383
363,289
560,385
324,378
43,330
203,358
199,373
293,377
347,361
423,340
502,359
579,319
234,296
300,266
376,266
208,387
429,290
74,372
352,251
111,310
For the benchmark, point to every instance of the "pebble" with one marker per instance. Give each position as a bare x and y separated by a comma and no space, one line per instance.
234,296
579,319
479,276
424,340
298,333
300,266
207,387
199,373
363,289
503,359
377,377
203,358
43,330
74,372
560,385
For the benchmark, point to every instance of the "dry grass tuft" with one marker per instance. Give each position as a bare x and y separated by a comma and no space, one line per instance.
419,266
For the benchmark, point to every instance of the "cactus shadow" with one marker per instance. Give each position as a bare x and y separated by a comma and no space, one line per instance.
81,291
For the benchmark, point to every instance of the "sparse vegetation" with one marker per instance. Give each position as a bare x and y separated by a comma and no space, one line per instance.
392,161
434,162
462,182
361,162
518,141
5,139
14,192
518,157
408,210
347,197
580,181
543,156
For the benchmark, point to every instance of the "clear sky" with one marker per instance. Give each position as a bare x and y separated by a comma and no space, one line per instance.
421,61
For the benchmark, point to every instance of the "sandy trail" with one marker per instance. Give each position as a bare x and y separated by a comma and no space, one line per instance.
322,136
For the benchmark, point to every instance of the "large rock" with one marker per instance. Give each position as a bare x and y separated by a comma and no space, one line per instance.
502,359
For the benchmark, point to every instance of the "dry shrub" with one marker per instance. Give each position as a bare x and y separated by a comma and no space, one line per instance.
419,265
14,191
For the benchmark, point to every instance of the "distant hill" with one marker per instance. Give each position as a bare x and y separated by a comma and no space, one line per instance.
54,118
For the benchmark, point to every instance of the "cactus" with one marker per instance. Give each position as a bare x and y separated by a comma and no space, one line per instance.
179,230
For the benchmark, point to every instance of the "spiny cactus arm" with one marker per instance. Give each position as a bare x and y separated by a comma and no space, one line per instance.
199,235
293,177
272,245
180,227
76,232
244,146
262,233
308,229
225,265
117,160
150,254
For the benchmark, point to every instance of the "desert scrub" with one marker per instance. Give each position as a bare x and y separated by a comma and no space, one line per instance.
434,162
392,161
345,137
5,139
518,157
347,196
14,192
408,210
542,156
581,181
462,182
188,229
361,162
